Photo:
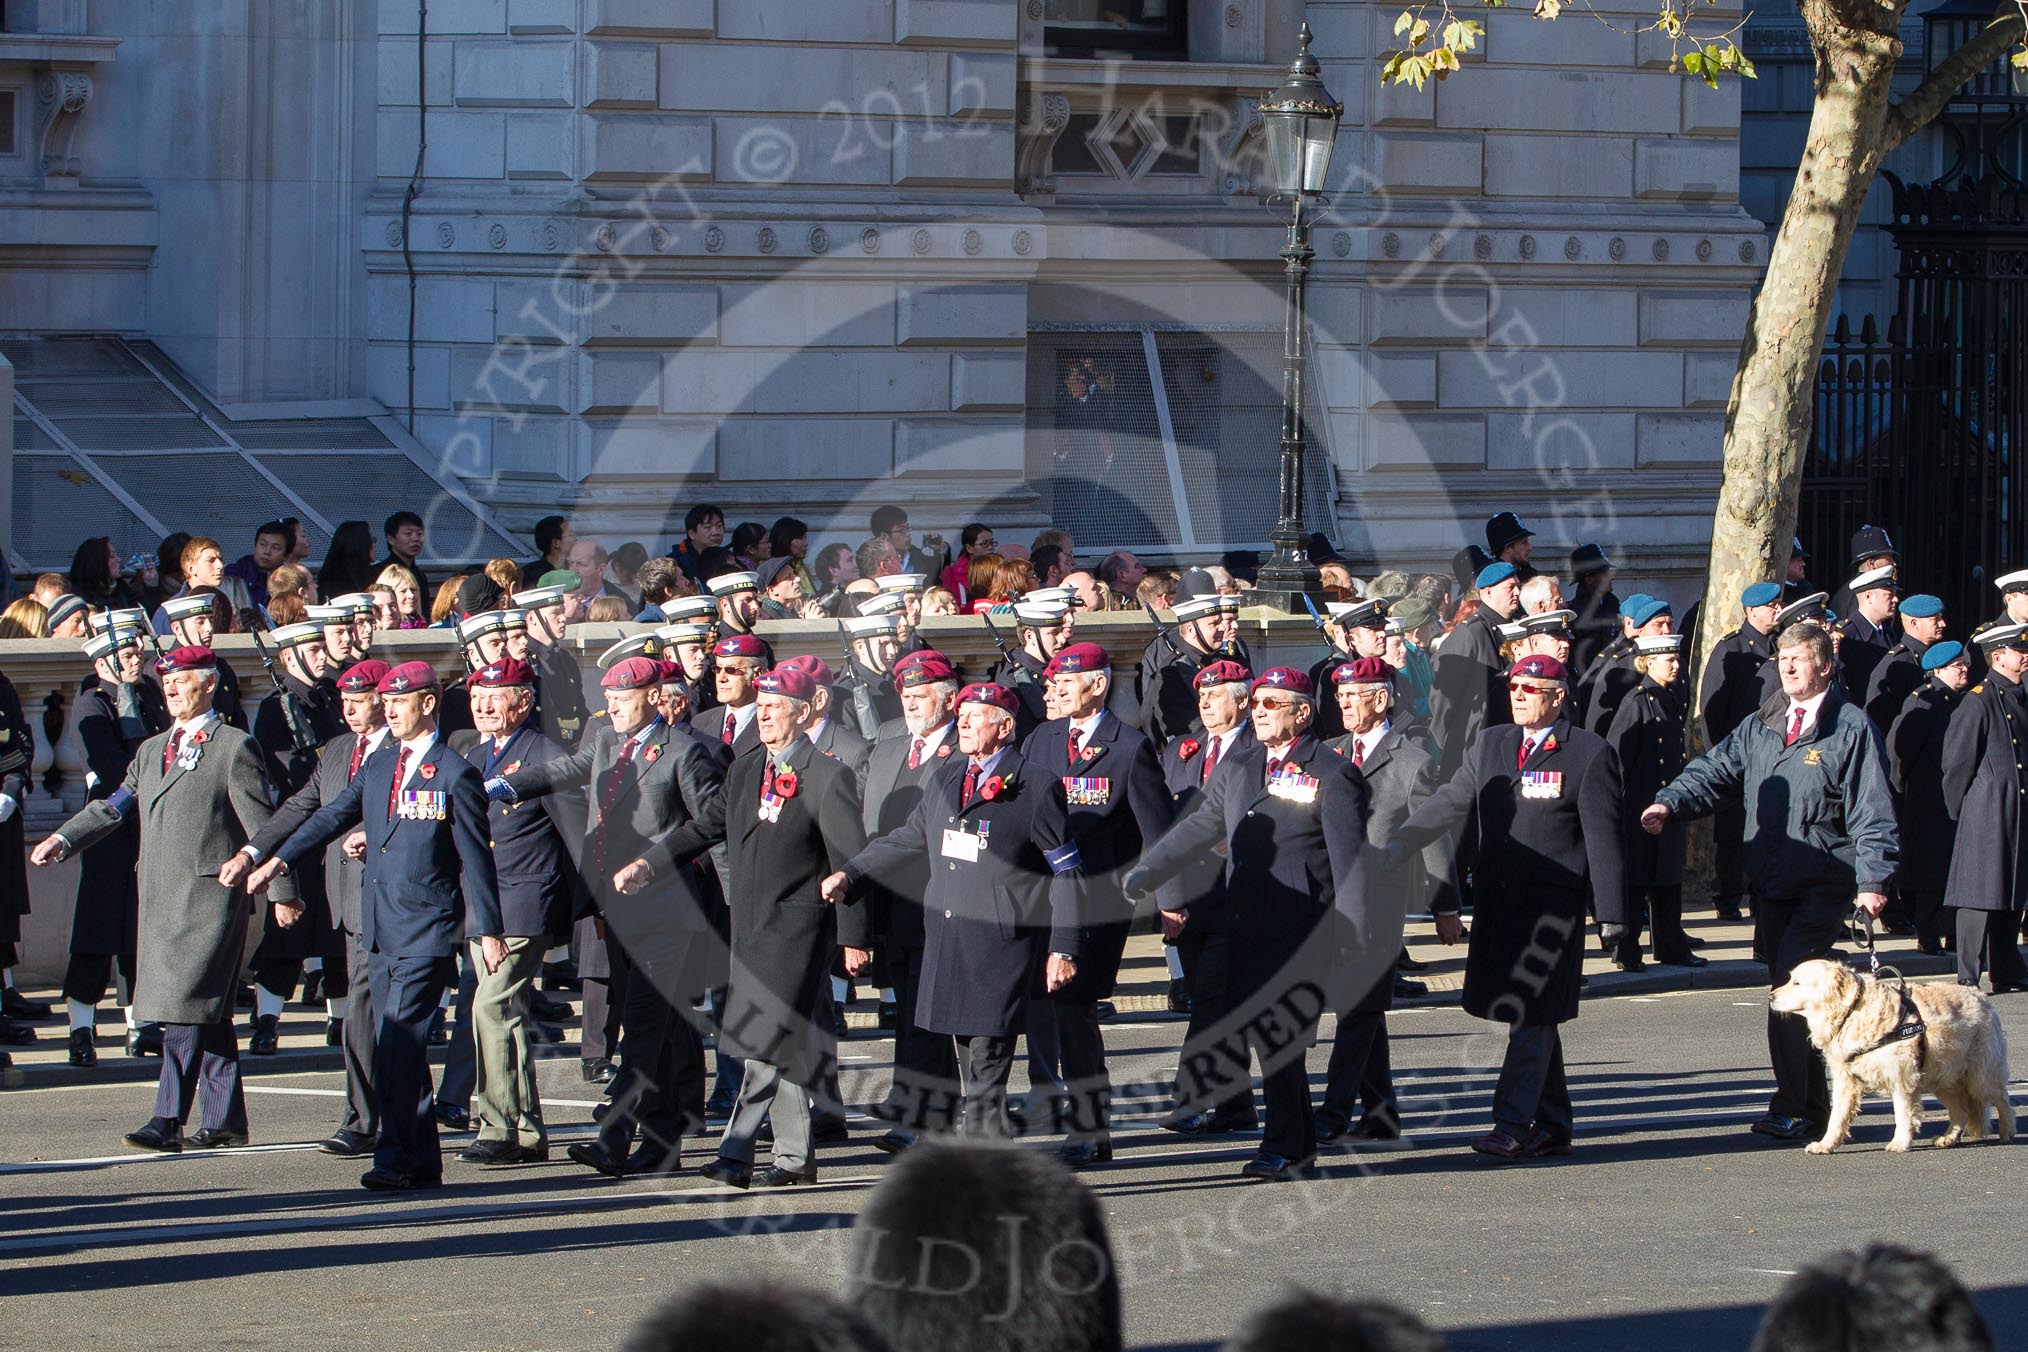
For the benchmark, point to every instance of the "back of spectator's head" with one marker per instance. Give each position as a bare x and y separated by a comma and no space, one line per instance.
170,551
25,618
783,535
606,610
1884,1299
714,1315
626,561
1243,564
656,579
505,573
479,592
548,531
717,561
701,513
985,1247
1046,559
288,608
1303,1321
1049,536
287,579
49,586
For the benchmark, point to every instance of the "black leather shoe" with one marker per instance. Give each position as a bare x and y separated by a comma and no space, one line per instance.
1269,1167
894,1141
1726,909
650,1159
1630,964
594,1155
1209,1122
14,1034
1778,1128
544,1034
347,1144
887,1017
1498,1145
1330,1128
838,1023
1686,960
829,1131
2010,987
1375,1127
145,1040
158,1135
774,1176
1179,996
560,976
1405,963
209,1138
457,1119
15,1005
729,1172
1404,989
392,1180
549,1011
1079,1154
1544,1142
484,1152
267,1036
1106,1010
440,1029
720,1108
597,1070
334,1032
313,989
82,1053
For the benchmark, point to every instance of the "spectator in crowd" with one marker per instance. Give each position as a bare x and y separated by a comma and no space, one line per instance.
606,610
291,579
1049,562
1338,582
69,617
588,559
1121,573
977,540
939,601
716,562
273,541
658,580
1157,589
789,539
385,615
404,546
348,563
703,528
204,569
553,539
1435,591
1886,1297
145,578
169,557
1304,1321
95,575
25,618
763,1318
877,558
891,524
837,564
444,605
987,1247
750,544
1392,585
1016,580
781,590
401,584
504,574
1052,538
286,609
50,586
623,571
982,578
1090,595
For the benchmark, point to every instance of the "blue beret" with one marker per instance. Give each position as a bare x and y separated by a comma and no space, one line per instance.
1761,594
1493,574
1942,654
1641,609
1922,606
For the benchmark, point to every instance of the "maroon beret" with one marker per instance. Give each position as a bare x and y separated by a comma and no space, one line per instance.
1541,666
1081,657
363,678
501,675
409,676
1362,671
792,682
740,645
1286,679
925,667
633,673
813,667
988,692
1226,672
192,658
668,673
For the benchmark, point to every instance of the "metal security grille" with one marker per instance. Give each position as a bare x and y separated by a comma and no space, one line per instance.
1165,442
110,438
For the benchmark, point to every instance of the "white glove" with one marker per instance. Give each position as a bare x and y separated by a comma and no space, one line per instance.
7,806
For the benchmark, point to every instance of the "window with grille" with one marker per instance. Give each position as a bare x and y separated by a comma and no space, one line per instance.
1155,29
1165,441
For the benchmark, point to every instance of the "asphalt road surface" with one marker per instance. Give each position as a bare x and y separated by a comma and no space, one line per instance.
1670,1228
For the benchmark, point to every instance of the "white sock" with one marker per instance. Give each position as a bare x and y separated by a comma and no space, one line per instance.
266,1002
82,1015
127,1013
887,995
334,1009
840,988
557,954
444,1000
1175,962
7,978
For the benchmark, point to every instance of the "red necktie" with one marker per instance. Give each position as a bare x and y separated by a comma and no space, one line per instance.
609,794
1072,753
1274,764
1358,751
1795,726
1521,756
394,789
971,783
915,753
1211,760
176,742
358,755
731,723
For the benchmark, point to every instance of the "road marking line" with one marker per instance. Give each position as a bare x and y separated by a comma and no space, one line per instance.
1774,1272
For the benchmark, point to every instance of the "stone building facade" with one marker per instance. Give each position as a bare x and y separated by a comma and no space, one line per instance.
972,256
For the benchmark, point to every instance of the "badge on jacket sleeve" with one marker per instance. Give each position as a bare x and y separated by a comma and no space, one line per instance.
1542,783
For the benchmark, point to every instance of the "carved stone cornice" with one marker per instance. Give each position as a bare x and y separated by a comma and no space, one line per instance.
61,95
1044,115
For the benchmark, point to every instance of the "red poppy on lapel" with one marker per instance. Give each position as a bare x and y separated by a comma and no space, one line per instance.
428,772
1548,743
944,751
199,738
1188,749
512,768
652,754
995,786
785,784
1087,751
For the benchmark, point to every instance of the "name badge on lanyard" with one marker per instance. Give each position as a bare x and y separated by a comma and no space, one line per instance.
423,805
1542,784
962,845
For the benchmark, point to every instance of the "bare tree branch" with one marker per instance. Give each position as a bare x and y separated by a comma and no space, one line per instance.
1908,116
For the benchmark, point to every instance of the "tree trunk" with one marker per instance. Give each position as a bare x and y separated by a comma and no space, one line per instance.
1767,422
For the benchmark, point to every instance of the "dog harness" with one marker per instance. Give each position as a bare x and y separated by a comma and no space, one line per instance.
1910,1022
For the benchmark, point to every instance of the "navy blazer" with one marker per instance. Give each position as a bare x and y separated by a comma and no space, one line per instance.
532,842
429,885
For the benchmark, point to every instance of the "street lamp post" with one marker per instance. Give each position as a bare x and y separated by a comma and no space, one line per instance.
1301,124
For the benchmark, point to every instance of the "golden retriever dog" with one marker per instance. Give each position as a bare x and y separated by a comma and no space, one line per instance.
1961,1056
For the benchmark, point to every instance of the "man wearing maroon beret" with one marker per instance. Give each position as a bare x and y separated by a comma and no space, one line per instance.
430,886
1547,824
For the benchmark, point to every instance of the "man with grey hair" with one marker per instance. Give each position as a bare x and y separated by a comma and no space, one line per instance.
1811,770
